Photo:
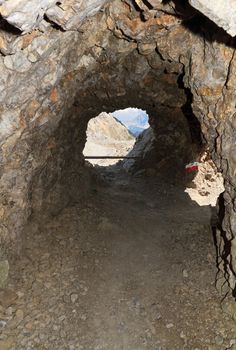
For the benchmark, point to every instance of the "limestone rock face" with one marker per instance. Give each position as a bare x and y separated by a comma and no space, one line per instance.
25,15
142,148
28,14
222,12
107,137
69,14
164,147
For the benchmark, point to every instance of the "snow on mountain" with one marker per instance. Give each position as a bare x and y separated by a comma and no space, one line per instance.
136,120
135,130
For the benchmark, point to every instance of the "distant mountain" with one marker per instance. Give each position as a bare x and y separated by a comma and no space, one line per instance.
107,137
136,120
135,130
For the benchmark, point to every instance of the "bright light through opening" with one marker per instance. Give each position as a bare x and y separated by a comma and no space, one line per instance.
113,135
136,120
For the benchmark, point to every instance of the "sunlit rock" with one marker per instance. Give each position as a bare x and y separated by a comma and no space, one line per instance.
222,12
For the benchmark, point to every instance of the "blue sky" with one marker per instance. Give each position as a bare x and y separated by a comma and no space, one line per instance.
136,120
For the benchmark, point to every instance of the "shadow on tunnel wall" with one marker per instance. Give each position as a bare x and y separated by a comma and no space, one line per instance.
199,24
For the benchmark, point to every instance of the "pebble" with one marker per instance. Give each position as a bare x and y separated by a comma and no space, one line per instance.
29,326
66,299
62,318
19,314
210,258
83,317
219,340
169,325
232,342
182,335
185,273
74,297
42,336
7,297
85,291
2,324
6,344
20,294
55,327
9,311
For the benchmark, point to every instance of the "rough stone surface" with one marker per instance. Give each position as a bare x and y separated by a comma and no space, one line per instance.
95,275
207,184
143,147
27,15
222,12
70,13
4,270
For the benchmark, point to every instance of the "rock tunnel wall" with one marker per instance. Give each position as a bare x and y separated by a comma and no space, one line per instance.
60,67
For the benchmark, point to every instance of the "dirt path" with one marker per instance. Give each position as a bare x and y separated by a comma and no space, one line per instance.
132,269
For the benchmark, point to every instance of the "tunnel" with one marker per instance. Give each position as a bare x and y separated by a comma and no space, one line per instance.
119,257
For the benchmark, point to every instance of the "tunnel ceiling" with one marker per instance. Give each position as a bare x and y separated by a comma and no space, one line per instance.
28,15
67,61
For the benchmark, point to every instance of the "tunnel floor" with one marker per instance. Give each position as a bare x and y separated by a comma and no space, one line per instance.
133,268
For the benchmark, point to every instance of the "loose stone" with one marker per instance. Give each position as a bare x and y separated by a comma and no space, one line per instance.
74,297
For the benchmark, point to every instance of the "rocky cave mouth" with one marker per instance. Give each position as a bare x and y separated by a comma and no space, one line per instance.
111,137
103,241
125,138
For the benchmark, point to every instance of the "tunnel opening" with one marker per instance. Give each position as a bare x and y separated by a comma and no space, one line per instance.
110,137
